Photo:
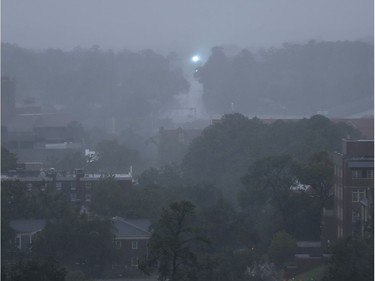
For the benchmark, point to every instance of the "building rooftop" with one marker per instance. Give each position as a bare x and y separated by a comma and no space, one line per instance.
27,226
127,228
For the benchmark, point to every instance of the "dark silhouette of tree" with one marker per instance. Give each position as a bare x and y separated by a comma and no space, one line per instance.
273,177
282,247
32,270
115,158
318,173
171,247
352,259
8,160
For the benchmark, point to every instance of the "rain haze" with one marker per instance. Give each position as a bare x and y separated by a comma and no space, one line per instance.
210,140
182,25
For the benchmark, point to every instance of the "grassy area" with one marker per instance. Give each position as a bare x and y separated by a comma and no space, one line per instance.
315,274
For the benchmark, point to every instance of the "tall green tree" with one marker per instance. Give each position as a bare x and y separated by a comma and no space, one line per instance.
272,178
114,157
171,247
318,173
77,240
352,259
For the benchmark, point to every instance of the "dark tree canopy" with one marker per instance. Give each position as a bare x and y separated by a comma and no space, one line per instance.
225,149
171,244
295,79
352,259
8,160
95,84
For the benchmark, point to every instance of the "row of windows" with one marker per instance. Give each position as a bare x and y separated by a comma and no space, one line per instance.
73,185
134,244
73,197
134,261
59,185
362,174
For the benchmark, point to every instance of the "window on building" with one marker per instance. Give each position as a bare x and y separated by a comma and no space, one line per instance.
88,185
73,197
358,195
357,174
58,185
118,244
370,174
134,261
356,216
72,186
88,197
134,244
18,242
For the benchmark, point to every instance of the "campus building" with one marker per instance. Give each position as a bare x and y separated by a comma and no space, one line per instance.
354,187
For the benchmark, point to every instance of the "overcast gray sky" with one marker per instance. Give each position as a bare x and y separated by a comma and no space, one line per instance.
177,24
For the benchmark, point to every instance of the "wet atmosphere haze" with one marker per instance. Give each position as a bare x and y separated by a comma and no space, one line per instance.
182,25
208,140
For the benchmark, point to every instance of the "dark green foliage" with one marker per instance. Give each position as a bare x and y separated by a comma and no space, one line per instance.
282,247
296,79
233,241
272,179
224,150
77,240
171,247
45,270
95,84
42,201
318,173
166,176
352,259
114,158
110,199
269,194
8,160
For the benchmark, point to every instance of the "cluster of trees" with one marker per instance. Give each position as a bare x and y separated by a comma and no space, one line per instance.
224,151
95,85
296,79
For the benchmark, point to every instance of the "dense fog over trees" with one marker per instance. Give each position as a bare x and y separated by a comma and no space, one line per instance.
93,84
294,80
199,141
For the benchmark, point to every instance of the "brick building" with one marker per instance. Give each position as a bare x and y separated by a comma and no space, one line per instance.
131,241
76,186
354,186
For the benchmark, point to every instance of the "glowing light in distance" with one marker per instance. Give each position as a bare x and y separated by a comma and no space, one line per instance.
195,59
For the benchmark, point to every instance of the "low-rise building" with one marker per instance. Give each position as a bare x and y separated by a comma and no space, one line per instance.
25,232
131,241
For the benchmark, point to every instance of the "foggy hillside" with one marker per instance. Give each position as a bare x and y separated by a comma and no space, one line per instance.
138,88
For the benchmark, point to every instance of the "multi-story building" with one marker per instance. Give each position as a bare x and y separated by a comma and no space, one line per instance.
354,186
76,186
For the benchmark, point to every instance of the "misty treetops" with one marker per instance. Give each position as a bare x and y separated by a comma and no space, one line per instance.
296,79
